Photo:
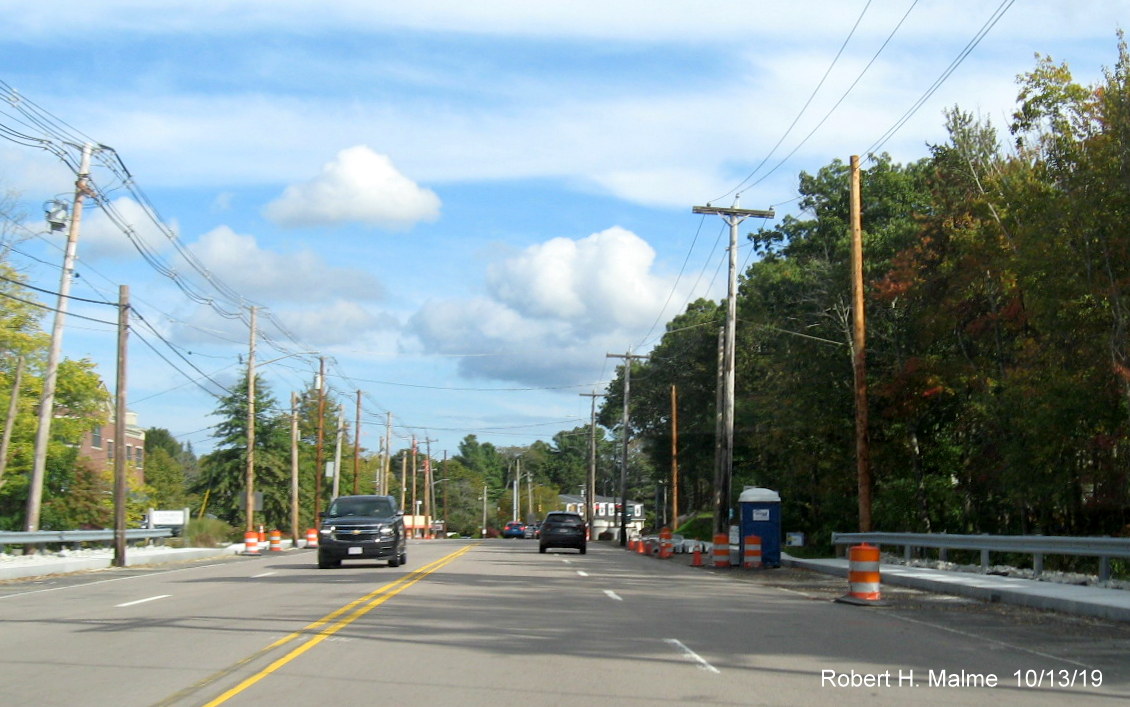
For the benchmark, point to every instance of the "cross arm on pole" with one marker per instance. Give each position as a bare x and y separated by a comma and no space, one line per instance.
729,211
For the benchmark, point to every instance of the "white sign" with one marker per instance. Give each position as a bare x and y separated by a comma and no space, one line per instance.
759,514
166,518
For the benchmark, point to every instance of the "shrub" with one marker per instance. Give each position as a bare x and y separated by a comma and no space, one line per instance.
207,532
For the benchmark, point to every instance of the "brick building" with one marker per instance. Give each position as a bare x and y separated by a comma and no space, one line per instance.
98,446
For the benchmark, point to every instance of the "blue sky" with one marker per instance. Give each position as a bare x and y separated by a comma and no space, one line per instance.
465,206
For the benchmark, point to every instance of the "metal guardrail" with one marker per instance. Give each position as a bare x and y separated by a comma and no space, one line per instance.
1035,545
71,537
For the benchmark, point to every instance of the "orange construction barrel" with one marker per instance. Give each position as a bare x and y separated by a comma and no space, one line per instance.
721,550
752,552
863,576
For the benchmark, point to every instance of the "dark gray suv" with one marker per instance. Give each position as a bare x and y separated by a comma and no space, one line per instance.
362,528
562,529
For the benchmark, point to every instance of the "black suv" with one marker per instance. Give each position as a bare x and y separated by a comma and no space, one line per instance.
562,529
362,528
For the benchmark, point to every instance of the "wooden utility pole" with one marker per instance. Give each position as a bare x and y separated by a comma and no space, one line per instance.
120,486
674,457
249,472
590,487
859,352
732,216
50,373
357,449
628,359
429,501
294,469
415,507
319,456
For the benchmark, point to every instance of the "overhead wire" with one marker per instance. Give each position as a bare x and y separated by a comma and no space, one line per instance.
994,18
804,108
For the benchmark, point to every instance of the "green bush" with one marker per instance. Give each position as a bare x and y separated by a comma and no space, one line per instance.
207,532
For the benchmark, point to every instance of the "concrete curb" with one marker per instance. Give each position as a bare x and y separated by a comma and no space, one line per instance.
67,565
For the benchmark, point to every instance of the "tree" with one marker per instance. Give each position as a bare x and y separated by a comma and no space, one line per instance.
223,472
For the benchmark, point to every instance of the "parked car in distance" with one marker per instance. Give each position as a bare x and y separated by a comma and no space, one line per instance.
532,530
362,528
562,529
514,529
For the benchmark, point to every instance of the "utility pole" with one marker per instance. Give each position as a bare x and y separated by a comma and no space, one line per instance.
415,503
386,471
859,352
628,359
429,499
357,449
120,486
484,511
732,216
249,475
47,401
517,484
674,457
590,489
294,468
337,451
319,455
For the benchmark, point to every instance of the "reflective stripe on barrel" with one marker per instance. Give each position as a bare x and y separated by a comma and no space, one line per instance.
251,542
312,537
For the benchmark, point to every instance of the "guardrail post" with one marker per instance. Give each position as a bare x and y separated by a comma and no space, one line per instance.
907,550
1037,564
1104,569
984,560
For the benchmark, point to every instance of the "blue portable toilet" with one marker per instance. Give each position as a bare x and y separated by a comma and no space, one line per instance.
760,512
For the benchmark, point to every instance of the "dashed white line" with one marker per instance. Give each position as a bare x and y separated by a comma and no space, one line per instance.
702,664
613,595
142,601
582,573
265,574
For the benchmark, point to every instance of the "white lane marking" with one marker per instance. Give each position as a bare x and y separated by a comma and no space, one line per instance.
265,574
568,562
613,595
582,573
702,664
142,601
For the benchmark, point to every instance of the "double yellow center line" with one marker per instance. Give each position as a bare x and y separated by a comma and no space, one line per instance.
333,622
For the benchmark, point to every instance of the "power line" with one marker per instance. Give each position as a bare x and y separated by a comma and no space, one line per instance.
53,309
985,28
803,108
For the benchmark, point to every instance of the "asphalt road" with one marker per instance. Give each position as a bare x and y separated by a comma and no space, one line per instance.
493,623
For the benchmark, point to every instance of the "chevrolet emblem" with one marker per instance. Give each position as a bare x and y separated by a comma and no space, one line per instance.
356,532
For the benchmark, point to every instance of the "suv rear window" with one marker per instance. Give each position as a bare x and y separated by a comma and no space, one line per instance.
375,507
567,520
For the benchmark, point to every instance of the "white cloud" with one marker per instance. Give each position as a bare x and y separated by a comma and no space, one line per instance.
265,275
360,186
551,311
